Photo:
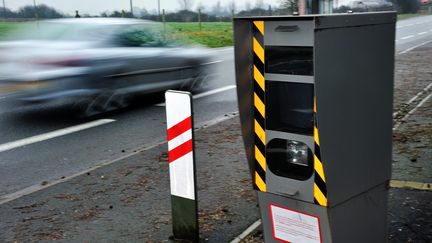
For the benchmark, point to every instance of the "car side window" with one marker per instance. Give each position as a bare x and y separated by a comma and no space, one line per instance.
141,37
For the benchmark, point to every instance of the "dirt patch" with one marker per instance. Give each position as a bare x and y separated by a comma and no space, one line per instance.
87,214
31,208
208,219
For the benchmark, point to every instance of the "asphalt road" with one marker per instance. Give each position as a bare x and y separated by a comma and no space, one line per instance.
413,32
39,144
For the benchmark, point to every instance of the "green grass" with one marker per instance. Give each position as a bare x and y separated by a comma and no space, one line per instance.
407,16
5,27
212,34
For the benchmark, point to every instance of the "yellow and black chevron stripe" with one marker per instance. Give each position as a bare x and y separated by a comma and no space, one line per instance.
259,103
320,188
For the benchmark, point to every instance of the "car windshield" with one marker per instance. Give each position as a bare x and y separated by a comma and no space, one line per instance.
153,35
62,31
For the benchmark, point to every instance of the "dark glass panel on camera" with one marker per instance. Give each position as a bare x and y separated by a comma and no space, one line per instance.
291,159
289,107
291,60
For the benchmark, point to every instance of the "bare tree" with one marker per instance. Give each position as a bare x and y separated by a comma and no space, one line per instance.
259,4
186,4
232,8
4,9
247,6
201,7
217,9
292,5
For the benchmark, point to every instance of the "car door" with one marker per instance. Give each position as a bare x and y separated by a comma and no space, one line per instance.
149,61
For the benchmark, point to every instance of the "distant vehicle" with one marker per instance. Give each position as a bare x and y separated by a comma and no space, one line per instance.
370,4
97,63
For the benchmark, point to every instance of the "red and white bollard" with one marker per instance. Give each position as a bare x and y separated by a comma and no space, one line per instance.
181,165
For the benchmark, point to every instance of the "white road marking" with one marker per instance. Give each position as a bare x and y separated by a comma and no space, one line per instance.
421,92
212,62
414,47
403,26
217,120
247,232
408,25
215,91
53,134
422,33
407,37
208,93
397,125
221,49
414,98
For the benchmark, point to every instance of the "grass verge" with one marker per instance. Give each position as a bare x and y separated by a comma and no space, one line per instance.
211,34
5,27
411,15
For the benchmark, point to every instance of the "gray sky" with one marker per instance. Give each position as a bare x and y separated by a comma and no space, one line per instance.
99,6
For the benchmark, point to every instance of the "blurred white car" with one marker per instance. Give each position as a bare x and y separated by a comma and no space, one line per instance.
96,63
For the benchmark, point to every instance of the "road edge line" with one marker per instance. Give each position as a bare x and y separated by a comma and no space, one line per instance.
247,232
399,123
414,47
414,98
53,134
206,93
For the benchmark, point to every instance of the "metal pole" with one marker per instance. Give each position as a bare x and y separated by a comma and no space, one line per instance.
163,20
159,13
4,9
199,19
35,9
315,7
131,7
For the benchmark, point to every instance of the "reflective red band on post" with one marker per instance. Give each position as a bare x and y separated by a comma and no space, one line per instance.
179,128
180,151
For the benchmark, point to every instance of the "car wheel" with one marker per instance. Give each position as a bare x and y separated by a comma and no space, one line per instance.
101,103
198,82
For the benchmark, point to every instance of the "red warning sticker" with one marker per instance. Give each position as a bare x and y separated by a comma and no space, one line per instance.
293,226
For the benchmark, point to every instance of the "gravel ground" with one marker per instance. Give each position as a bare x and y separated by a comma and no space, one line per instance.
412,140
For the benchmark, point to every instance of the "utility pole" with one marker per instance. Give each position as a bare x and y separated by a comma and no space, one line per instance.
302,8
4,9
199,19
35,9
131,7
315,7
159,13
